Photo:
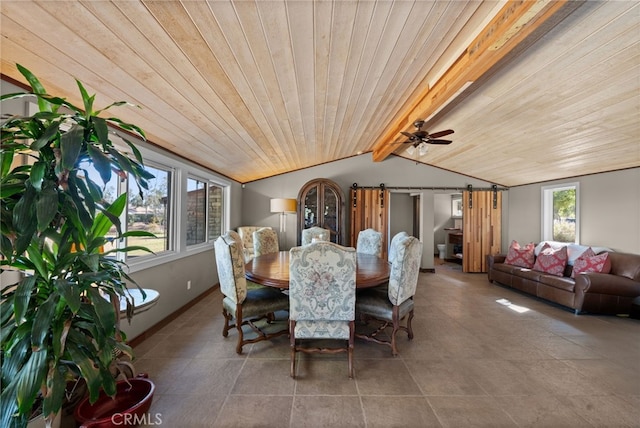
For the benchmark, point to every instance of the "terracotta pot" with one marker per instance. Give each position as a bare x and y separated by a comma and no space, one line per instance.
129,406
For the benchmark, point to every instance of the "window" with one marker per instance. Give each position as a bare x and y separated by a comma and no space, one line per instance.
150,212
560,220
204,211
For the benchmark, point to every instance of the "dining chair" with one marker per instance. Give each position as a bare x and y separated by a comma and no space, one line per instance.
393,247
244,302
390,309
265,241
322,296
246,237
315,233
369,242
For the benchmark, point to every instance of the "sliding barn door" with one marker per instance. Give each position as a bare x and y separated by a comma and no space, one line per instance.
369,208
482,226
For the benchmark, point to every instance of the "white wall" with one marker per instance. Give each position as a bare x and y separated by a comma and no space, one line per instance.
609,206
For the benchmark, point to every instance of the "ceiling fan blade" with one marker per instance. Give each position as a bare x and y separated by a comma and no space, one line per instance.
441,133
438,141
406,134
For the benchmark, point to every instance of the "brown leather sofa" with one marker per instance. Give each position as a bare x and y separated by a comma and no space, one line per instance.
597,293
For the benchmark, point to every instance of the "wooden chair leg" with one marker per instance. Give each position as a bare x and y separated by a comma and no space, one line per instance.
239,328
352,333
409,328
292,345
396,327
227,326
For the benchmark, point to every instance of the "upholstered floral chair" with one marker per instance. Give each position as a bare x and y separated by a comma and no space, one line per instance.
241,304
246,236
265,241
393,247
322,296
369,242
315,233
391,309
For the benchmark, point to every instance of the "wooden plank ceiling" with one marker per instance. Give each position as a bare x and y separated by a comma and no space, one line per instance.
253,89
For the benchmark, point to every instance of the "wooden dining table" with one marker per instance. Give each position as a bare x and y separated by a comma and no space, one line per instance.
273,270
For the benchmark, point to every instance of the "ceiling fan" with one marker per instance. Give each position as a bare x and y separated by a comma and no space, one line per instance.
419,139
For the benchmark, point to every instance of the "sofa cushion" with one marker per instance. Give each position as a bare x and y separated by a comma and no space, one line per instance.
590,262
563,283
518,256
517,270
551,261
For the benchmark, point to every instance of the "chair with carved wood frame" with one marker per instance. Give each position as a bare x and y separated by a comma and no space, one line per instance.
322,295
390,309
244,302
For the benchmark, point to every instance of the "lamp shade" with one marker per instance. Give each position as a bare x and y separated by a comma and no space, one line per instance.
283,205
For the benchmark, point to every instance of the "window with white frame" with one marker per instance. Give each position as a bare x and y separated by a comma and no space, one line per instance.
150,210
204,211
560,214
147,210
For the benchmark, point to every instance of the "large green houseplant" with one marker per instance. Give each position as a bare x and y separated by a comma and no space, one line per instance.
60,320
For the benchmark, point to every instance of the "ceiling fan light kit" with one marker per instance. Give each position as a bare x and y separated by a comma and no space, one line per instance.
420,139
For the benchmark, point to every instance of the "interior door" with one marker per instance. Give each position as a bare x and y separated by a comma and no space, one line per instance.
369,209
482,228
321,203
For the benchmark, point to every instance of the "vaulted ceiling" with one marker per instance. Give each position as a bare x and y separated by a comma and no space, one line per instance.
534,90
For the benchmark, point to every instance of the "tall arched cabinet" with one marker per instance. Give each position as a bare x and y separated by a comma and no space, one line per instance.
321,203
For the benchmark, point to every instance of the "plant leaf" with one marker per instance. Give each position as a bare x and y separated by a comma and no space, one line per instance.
48,134
100,125
86,365
43,321
22,297
6,159
69,293
92,261
36,86
101,162
87,100
105,312
70,145
56,386
38,263
46,207
37,175
105,219
134,149
24,211
29,380
128,127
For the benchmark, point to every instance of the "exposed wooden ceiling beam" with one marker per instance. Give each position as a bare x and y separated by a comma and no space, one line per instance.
516,27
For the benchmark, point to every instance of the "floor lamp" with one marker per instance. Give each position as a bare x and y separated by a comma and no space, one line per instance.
283,206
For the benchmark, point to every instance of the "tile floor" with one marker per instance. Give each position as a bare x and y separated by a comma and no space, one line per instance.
473,363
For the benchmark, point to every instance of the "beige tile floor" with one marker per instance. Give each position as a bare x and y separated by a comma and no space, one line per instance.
473,363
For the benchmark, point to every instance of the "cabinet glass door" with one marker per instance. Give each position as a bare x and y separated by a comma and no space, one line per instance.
320,203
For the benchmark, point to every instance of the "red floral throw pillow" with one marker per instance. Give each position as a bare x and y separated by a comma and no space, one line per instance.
590,262
551,261
522,257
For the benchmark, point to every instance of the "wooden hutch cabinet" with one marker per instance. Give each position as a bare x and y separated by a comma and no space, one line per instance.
321,203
